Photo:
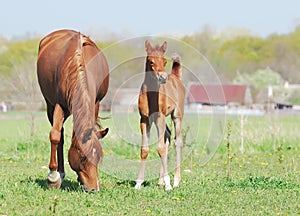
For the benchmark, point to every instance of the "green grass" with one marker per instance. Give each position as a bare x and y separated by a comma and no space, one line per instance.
264,180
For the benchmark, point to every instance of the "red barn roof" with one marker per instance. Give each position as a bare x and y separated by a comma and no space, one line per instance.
216,94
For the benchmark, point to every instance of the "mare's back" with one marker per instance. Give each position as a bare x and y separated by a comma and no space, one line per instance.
54,51
53,48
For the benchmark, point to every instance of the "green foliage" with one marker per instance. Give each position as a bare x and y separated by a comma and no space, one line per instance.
260,79
17,53
294,100
247,54
226,53
262,182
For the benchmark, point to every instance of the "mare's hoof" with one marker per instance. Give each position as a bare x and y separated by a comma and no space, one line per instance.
54,180
54,185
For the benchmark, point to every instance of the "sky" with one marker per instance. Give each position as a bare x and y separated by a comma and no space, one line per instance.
140,18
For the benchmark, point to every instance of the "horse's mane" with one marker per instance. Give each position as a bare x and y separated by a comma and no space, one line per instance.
78,97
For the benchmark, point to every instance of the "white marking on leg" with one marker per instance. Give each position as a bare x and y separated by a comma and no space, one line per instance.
139,183
140,179
176,182
167,183
98,186
94,151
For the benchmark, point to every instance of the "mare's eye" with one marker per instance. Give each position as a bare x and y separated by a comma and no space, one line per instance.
151,63
165,63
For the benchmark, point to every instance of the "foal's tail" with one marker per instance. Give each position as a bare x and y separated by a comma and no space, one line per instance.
176,67
167,134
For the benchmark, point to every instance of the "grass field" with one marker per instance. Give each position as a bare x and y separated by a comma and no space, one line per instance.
263,180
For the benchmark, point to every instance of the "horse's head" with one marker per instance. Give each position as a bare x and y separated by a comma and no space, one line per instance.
156,61
84,155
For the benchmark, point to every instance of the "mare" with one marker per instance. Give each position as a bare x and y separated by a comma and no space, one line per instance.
161,95
73,76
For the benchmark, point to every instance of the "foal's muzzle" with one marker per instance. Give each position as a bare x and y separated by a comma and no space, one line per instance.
162,77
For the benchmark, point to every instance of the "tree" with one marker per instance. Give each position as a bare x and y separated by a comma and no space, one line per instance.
260,80
16,52
22,87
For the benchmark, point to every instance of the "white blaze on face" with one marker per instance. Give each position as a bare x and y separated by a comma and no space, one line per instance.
98,186
94,151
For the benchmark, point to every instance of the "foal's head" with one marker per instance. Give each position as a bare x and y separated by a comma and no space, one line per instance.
84,155
156,61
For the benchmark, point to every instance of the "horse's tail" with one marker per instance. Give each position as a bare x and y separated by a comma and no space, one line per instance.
81,102
176,67
167,134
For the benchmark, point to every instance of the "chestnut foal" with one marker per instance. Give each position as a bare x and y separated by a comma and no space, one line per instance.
161,95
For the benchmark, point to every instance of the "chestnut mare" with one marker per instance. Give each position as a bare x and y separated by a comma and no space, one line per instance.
73,76
161,95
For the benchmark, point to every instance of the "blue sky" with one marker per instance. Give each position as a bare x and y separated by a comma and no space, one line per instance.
136,17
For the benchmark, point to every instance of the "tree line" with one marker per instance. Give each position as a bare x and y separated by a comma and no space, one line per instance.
235,58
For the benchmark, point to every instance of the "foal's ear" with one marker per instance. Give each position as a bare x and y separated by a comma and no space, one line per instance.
148,46
163,47
102,133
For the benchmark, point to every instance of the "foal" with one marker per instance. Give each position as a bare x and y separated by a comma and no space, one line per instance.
161,95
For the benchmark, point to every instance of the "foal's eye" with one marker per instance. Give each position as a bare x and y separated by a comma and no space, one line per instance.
151,63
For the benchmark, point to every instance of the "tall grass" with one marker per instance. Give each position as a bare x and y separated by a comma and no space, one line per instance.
264,179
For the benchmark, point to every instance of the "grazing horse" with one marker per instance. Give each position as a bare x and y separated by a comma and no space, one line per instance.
73,76
161,95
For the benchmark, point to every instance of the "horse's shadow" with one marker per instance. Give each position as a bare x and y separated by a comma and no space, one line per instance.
67,185
131,183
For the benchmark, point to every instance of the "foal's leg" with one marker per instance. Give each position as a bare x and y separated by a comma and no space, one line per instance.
161,171
167,139
178,146
163,151
56,117
145,129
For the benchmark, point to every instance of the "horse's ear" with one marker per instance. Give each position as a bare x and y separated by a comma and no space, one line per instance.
163,47
102,133
148,46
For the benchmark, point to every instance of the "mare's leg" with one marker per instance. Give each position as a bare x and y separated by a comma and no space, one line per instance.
97,105
60,155
145,130
178,146
56,117
163,150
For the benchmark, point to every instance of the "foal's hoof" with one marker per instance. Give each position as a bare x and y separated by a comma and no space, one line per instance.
176,182
138,184
168,187
161,182
54,180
